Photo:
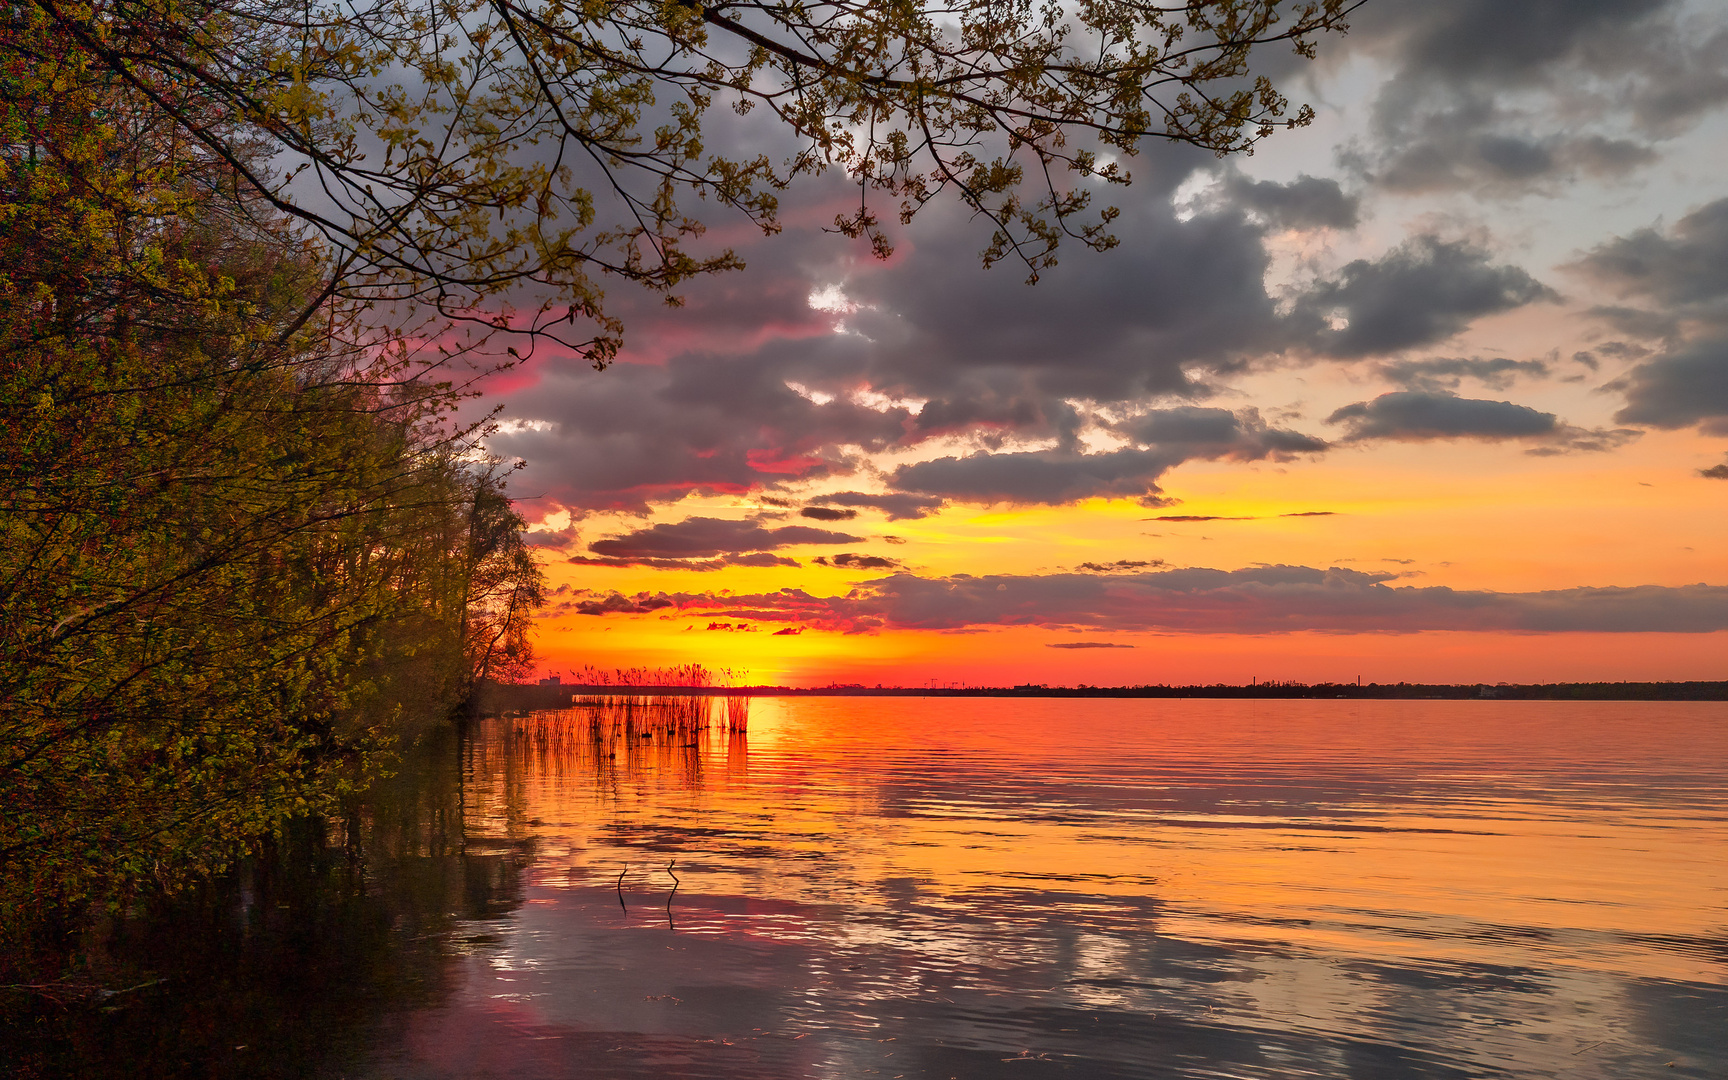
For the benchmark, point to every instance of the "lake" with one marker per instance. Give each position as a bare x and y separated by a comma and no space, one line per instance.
975,887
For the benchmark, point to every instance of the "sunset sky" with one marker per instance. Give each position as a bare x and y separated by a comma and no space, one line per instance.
1434,389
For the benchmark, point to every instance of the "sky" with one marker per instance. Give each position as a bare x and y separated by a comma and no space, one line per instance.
1434,389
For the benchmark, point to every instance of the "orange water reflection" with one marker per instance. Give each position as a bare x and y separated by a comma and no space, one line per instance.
1490,884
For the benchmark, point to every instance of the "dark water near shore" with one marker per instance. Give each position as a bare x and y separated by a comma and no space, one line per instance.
975,888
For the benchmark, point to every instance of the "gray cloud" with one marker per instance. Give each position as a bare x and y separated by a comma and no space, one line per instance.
1422,292
755,558
1086,645
1307,202
1637,322
1419,415
827,513
638,434
619,604
1684,274
1039,476
1164,438
1687,385
1503,41
704,537
898,507
1120,565
850,561
1256,600
1448,373
1715,472
1198,432
1449,150
1410,415
987,356
1513,96
1687,266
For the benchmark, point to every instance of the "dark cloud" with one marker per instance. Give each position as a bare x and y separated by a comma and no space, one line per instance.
704,537
1120,565
1123,325
619,604
1638,322
827,513
1506,42
850,561
1039,476
1410,415
1513,96
755,559
1085,645
1449,150
1422,292
1308,202
1715,472
1256,600
637,434
1686,267
1164,438
1216,517
550,538
749,386
1214,434
1683,273
790,631
1418,416
1685,386
898,507
1448,373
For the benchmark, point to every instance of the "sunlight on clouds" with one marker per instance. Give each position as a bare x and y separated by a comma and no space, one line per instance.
815,397
832,299
1197,194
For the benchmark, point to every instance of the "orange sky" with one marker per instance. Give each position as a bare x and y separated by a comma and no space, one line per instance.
1510,523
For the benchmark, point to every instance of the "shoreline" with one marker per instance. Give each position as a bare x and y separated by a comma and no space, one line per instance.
503,697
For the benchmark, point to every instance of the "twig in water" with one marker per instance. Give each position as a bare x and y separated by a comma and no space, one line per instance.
674,892
621,874
62,992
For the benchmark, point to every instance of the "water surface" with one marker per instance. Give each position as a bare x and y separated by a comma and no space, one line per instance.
1020,888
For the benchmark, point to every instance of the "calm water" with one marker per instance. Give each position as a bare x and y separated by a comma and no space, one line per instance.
984,888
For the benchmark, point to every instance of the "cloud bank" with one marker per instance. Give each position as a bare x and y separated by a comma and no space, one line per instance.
1255,600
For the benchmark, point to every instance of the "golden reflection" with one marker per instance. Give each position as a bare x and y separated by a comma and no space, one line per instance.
1363,832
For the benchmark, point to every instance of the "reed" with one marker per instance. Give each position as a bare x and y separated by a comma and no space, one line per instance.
677,699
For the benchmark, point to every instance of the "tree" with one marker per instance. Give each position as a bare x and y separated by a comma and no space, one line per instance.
465,154
237,545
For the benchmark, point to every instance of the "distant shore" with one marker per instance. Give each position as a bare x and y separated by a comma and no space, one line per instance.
502,697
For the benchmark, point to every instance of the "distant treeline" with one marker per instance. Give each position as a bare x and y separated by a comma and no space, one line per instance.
507,698
244,549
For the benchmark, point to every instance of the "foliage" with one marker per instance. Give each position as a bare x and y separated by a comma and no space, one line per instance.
238,546
464,154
